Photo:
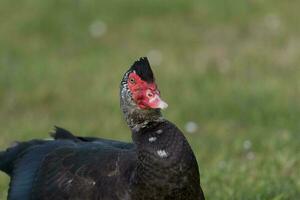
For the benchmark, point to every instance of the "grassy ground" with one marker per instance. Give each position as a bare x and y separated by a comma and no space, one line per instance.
232,67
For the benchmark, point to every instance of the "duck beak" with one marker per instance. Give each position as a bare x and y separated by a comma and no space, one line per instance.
157,102
162,104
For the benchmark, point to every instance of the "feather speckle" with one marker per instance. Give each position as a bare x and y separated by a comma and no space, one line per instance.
162,153
152,139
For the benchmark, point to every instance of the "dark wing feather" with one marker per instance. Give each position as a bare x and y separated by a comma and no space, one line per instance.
64,169
14,153
25,168
63,134
88,171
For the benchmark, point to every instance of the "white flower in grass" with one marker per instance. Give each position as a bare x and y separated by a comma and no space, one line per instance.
97,29
191,127
247,144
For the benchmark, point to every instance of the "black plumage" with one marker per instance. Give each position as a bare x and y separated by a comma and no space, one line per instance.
143,69
158,165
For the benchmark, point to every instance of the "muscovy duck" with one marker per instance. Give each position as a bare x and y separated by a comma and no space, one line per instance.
158,165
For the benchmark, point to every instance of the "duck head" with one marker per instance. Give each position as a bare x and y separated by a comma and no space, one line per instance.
139,93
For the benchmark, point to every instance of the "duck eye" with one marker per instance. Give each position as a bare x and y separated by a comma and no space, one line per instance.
150,94
132,80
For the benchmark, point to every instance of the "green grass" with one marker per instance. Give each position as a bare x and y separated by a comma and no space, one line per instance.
230,66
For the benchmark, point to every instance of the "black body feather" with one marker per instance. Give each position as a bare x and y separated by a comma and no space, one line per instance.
71,167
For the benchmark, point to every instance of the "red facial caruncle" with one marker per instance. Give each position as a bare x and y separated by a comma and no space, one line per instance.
146,95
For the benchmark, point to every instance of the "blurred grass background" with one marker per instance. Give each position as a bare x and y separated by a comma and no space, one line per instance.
228,69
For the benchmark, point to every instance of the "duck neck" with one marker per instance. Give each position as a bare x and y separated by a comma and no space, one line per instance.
138,118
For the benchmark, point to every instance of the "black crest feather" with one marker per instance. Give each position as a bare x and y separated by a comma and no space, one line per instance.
143,69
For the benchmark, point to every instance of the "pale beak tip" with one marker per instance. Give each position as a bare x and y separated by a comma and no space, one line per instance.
163,105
